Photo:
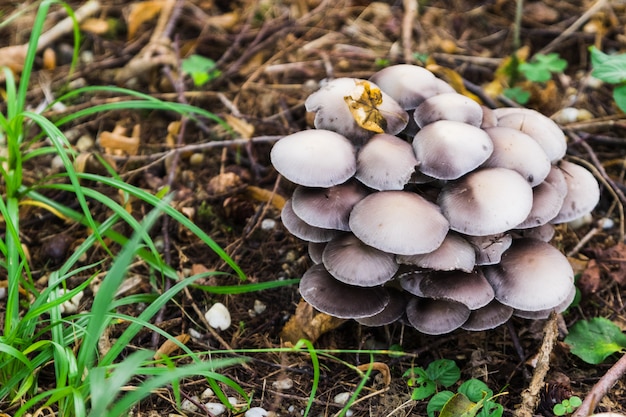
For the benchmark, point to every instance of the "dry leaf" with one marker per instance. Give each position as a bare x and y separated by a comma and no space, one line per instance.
95,26
589,281
140,13
454,79
308,324
613,262
13,57
243,128
265,196
363,103
117,142
381,367
502,73
169,347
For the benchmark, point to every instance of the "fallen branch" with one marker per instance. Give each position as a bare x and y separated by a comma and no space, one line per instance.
601,388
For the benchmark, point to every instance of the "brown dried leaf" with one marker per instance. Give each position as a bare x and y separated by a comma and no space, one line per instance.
13,57
243,128
613,260
265,196
308,324
169,347
381,367
117,142
95,26
363,103
589,281
454,79
140,13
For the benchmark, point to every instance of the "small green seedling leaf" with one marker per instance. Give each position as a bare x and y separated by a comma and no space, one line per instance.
541,68
438,401
491,409
475,390
424,386
444,372
459,406
567,406
201,69
619,95
594,340
517,94
608,68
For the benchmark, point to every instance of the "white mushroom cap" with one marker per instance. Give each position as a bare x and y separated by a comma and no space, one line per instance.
331,104
448,150
547,202
409,85
392,312
385,162
297,227
516,150
556,178
488,317
315,250
449,106
486,202
532,276
398,222
454,253
541,128
314,158
436,317
544,232
328,208
489,249
583,193
489,118
337,299
353,262
544,314
469,288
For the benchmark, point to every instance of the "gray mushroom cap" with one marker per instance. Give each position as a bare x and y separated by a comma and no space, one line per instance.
544,314
332,111
532,275
449,106
410,278
583,192
314,158
392,312
488,317
353,262
326,294
448,150
468,288
489,249
436,317
547,202
385,162
300,229
486,202
454,253
315,250
328,208
398,222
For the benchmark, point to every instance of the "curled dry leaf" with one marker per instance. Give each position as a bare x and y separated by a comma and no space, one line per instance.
141,13
307,323
116,142
169,347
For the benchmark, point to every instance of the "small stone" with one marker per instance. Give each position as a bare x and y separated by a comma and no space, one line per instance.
215,408
606,223
259,307
196,159
188,406
84,143
256,412
349,412
57,163
342,397
207,393
218,316
232,400
282,384
268,224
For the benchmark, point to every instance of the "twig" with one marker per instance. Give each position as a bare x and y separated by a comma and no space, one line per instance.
601,388
530,396
410,14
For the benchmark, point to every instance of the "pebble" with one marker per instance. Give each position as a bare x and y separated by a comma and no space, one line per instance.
282,384
215,408
342,397
256,412
196,159
188,406
259,307
207,393
268,224
218,316
84,143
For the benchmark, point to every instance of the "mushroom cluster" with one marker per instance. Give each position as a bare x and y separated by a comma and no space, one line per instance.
421,205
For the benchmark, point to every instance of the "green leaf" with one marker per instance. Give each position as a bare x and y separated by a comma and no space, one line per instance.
459,406
575,401
201,69
619,95
517,94
559,410
491,409
475,390
444,372
608,68
594,340
540,69
438,401
424,386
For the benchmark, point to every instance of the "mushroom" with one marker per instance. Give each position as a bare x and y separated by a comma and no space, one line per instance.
346,105
489,249
392,312
541,128
449,106
300,229
409,85
385,162
489,118
314,158
353,262
544,314
583,193
448,150
328,208
468,288
532,275
315,250
436,317
486,202
547,202
544,232
398,222
454,253
410,278
488,317
516,150
326,294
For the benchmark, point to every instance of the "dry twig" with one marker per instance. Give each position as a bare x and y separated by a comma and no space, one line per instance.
601,388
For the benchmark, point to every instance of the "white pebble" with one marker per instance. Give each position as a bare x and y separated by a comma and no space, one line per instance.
215,408
188,406
342,397
84,143
606,223
349,412
57,163
256,412
285,383
232,400
291,408
207,393
268,224
195,334
71,306
218,316
259,307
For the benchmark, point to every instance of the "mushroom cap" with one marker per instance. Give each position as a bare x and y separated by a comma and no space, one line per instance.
469,288
448,149
544,314
454,253
516,150
353,262
326,294
392,312
314,158
547,202
398,222
532,275
489,249
449,106
436,317
583,192
556,178
331,105
544,232
541,128
488,317
489,118
300,229
486,202
315,250
410,278
385,162
409,85
328,208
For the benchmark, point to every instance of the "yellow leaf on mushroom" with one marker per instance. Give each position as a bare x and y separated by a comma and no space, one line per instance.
363,103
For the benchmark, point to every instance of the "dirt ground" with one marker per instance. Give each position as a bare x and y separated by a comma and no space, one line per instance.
272,55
